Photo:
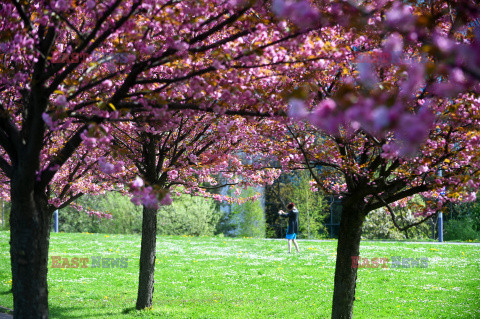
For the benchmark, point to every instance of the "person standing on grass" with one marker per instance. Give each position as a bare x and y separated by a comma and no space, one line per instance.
292,229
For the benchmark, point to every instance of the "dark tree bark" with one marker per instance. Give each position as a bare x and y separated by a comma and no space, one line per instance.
30,221
353,216
147,258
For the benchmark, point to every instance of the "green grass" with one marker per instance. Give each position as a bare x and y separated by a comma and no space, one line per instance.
252,278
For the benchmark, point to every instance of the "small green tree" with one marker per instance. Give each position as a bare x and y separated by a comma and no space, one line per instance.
249,216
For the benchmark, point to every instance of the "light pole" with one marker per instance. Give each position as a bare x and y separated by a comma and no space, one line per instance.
56,221
440,214
308,215
440,227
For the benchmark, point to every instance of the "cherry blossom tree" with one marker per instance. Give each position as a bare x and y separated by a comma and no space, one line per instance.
182,153
363,171
399,118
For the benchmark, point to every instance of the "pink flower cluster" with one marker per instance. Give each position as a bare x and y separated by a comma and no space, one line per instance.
96,135
301,13
143,195
109,168
146,195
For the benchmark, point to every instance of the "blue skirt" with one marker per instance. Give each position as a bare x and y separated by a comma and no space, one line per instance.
291,236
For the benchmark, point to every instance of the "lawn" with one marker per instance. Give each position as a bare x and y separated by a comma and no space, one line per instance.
204,277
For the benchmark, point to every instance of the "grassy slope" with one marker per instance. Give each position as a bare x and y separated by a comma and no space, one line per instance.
252,278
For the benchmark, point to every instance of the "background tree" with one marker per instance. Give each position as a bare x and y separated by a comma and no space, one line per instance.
462,221
184,149
295,187
312,206
249,216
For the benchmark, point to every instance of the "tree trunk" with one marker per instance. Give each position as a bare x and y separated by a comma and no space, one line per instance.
147,258
348,246
30,222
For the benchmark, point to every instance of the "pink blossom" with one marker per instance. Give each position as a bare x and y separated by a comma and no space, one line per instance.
180,46
119,166
471,197
60,5
222,128
390,151
106,167
413,129
297,109
422,169
193,158
91,4
61,101
138,182
148,198
48,121
301,12
366,74
172,174
444,44
324,109
218,65
136,201
107,83
381,118
88,140
400,16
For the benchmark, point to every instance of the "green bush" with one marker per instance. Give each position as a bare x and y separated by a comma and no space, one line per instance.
469,210
188,215
460,229
126,217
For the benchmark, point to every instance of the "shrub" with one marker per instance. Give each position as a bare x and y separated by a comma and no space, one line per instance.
188,215
460,229
126,217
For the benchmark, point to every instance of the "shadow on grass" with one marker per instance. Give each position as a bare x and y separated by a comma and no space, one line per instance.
7,292
66,312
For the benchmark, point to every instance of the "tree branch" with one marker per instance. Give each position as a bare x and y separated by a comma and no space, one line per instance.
392,214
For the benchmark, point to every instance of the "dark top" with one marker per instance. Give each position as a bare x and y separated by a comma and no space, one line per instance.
292,221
